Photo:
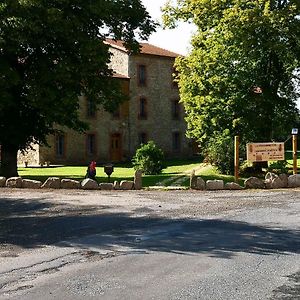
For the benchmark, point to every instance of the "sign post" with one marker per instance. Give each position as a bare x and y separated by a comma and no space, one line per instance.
294,133
236,158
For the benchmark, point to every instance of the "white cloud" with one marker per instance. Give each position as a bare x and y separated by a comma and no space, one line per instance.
176,40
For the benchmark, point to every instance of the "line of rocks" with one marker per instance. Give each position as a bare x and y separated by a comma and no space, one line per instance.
271,181
198,183
86,184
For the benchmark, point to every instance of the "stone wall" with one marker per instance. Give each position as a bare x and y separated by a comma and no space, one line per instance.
103,125
159,93
159,125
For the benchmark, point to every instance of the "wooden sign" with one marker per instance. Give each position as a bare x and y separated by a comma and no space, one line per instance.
265,151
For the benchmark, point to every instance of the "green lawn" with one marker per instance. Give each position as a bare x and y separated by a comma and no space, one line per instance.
173,170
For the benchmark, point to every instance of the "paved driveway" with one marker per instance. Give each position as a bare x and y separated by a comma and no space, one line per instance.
149,245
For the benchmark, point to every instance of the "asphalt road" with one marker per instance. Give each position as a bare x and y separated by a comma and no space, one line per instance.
149,244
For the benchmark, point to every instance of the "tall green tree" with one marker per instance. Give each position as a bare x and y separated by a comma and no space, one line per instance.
242,73
52,51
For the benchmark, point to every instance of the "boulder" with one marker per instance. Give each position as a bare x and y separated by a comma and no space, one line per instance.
200,184
193,181
106,186
52,183
277,183
89,184
126,185
70,184
270,176
232,186
294,180
254,183
2,181
138,180
116,185
31,184
14,182
284,179
214,184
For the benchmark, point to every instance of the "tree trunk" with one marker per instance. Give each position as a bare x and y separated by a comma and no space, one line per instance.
9,161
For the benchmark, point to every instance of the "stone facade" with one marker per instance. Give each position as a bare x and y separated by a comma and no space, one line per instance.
116,137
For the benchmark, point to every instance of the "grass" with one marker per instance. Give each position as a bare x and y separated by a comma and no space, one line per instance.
174,169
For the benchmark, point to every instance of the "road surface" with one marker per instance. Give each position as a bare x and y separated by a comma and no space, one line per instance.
60,244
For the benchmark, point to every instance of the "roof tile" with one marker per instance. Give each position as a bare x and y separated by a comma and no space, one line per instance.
145,48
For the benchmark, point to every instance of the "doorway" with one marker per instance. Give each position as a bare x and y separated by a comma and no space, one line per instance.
115,147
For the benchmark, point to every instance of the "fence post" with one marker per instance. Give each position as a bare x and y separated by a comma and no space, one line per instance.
294,153
236,158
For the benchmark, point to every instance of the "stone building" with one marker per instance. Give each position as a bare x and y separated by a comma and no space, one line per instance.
153,112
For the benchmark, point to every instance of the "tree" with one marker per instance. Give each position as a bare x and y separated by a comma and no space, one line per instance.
52,51
243,70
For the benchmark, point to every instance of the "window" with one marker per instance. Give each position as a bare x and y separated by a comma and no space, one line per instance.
60,145
91,144
91,109
143,108
176,141
142,138
175,109
142,75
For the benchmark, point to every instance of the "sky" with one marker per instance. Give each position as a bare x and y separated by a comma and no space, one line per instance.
176,40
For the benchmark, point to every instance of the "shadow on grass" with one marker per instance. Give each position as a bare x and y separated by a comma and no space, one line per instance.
27,225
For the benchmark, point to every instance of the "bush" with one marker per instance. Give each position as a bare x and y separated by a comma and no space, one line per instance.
220,152
278,167
149,159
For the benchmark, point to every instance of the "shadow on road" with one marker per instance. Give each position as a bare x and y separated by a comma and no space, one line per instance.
37,223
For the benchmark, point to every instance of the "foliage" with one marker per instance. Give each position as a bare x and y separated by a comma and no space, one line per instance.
243,70
51,52
219,152
149,159
279,167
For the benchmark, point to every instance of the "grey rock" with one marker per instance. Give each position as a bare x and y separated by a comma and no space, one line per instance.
284,179
31,184
52,183
116,185
294,180
277,183
138,180
254,183
89,184
2,181
232,186
193,180
271,176
70,184
268,183
106,186
214,184
14,182
200,184
126,185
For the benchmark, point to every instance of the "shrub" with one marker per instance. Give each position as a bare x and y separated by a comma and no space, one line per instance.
149,159
220,152
278,167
